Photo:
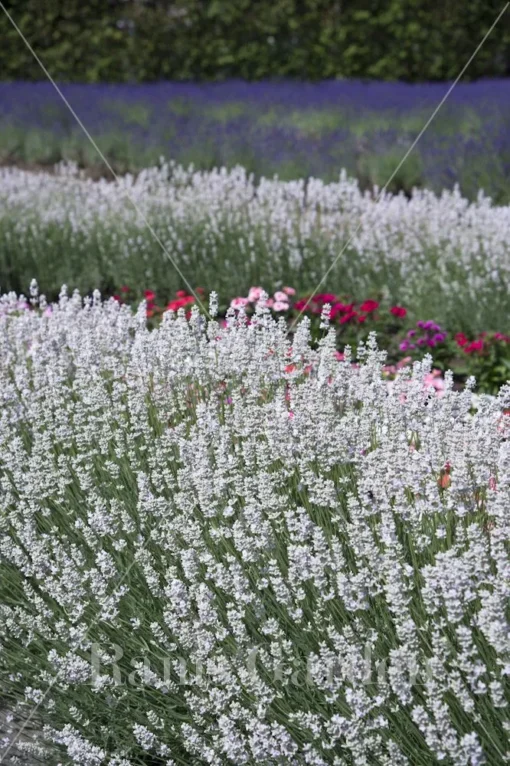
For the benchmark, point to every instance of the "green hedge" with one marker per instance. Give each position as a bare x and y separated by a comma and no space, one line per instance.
143,40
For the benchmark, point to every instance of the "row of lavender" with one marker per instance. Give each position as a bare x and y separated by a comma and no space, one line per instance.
485,356
293,129
440,257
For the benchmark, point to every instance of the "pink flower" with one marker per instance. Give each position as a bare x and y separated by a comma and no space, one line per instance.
48,312
289,290
280,297
280,306
254,294
149,295
434,379
339,356
237,303
492,484
269,303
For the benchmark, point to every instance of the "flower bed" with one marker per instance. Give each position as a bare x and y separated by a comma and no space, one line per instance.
486,356
222,545
172,227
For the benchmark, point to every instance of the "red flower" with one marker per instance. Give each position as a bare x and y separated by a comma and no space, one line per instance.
125,289
398,311
290,368
369,306
200,290
149,295
181,293
178,303
325,298
150,313
461,339
341,308
348,317
117,298
476,345
300,305
362,318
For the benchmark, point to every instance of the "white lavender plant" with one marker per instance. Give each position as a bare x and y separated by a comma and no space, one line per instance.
442,256
220,548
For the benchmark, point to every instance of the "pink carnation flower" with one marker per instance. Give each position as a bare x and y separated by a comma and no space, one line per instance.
289,290
280,306
254,294
280,297
237,303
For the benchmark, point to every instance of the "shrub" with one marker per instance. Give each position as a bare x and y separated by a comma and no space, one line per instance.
137,40
216,547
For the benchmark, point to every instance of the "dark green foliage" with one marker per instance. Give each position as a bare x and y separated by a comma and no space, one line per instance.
144,40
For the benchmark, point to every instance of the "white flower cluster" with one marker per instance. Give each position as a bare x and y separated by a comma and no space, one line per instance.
224,231
208,556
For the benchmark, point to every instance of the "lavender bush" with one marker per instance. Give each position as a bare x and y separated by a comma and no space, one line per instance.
290,128
441,255
205,558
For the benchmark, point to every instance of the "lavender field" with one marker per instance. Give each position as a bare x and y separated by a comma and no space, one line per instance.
293,129
243,523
